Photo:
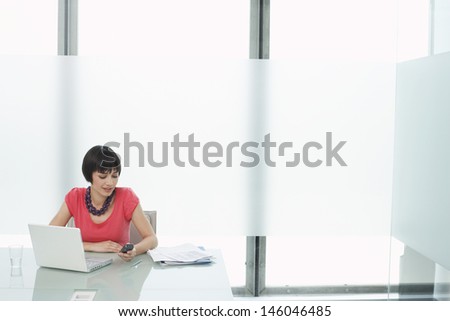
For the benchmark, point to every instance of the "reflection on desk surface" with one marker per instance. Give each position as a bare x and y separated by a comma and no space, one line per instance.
119,281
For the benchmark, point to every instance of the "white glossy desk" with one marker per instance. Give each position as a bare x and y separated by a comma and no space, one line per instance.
119,281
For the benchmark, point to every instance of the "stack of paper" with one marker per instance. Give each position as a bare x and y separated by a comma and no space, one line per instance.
181,254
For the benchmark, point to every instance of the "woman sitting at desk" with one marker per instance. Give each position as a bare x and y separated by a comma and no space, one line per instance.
102,211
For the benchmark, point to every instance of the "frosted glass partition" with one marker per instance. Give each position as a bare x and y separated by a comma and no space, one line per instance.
32,156
220,147
330,103
421,202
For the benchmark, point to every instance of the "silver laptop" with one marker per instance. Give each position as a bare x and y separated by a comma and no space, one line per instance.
62,248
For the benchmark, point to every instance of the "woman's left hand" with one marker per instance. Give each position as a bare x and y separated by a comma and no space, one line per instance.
128,256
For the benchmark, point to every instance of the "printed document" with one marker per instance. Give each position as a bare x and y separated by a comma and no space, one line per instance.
181,254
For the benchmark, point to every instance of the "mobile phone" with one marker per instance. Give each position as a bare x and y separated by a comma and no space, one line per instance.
127,247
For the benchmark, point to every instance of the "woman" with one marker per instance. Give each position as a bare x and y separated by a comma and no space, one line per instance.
102,211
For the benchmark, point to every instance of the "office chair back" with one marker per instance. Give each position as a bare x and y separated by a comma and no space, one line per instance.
135,237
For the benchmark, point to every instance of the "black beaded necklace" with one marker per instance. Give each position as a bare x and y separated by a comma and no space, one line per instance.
91,208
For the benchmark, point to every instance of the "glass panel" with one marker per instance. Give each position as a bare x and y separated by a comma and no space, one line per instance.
413,29
175,28
329,29
28,27
342,83
328,210
442,26
328,266
422,177
73,103
164,28
32,150
423,26
137,105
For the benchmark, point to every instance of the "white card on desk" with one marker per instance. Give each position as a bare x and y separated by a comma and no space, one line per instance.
83,295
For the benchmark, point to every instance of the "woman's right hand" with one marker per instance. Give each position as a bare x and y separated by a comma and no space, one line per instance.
105,246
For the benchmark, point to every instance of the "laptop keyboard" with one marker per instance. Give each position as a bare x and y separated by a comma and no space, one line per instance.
94,264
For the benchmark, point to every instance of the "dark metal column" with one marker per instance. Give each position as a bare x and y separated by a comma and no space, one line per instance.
67,27
256,245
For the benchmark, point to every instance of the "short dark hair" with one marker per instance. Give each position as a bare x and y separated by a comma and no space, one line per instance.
100,159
